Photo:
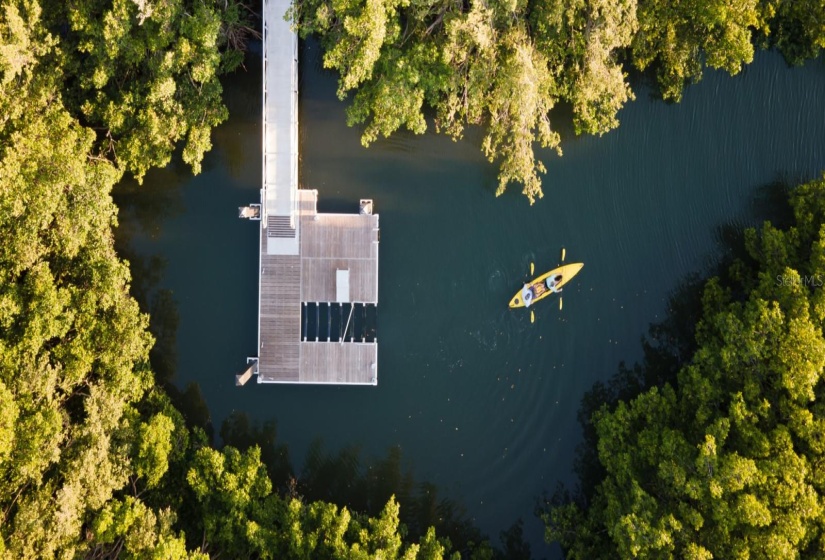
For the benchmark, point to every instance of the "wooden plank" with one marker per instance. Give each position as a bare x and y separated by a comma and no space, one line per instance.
319,283
336,363
279,316
242,378
331,242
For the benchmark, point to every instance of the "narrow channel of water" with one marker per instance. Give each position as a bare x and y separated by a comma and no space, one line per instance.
481,402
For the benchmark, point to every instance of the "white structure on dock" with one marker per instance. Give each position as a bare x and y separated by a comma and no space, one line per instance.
308,261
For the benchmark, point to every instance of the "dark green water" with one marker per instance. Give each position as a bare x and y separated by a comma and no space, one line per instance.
482,403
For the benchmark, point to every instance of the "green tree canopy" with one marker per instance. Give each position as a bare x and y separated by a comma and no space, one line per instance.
95,462
798,28
503,65
144,73
682,36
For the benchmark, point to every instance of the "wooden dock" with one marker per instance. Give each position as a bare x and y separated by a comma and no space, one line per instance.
305,257
329,244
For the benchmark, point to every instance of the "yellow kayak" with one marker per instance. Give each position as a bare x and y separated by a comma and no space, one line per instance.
537,289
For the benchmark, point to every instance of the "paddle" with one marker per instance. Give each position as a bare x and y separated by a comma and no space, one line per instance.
532,270
562,260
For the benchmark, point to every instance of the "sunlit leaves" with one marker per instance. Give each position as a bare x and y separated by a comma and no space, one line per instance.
242,517
683,35
72,342
22,39
582,40
357,31
470,53
154,447
518,104
228,486
395,98
147,74
8,418
138,532
601,89
500,79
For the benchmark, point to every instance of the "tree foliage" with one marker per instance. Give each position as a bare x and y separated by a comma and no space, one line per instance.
147,74
142,75
95,461
73,345
243,517
683,36
726,461
476,63
799,29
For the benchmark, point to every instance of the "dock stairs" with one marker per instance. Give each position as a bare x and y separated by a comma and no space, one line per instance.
282,227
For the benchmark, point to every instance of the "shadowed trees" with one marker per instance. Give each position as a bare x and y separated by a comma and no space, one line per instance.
720,458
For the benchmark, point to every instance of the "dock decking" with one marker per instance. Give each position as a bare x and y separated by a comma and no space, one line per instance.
328,243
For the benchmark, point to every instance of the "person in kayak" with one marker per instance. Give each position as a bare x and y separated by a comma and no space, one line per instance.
527,295
552,284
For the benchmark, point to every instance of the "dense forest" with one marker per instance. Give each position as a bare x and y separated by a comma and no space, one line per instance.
505,64
97,462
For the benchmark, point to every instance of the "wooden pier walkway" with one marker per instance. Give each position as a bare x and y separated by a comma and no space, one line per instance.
305,257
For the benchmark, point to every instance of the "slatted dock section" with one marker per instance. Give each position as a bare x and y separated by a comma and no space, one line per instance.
279,317
350,363
339,242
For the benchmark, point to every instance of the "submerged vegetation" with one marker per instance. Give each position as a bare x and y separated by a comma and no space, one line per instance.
714,447
504,64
